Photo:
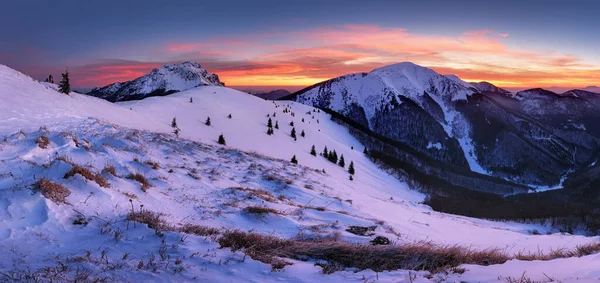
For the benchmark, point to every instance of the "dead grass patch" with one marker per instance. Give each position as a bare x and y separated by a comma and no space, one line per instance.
341,255
130,195
140,178
423,256
258,193
110,169
42,142
261,210
152,219
199,230
52,191
88,175
154,165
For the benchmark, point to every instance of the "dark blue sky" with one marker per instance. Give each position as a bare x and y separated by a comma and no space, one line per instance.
46,36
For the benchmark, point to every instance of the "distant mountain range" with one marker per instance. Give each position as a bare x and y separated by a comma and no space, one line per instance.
272,95
533,137
165,80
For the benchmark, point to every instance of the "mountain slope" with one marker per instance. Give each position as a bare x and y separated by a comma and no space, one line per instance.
165,80
272,95
475,126
488,87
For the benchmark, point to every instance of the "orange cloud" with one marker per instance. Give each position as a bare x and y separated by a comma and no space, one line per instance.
309,56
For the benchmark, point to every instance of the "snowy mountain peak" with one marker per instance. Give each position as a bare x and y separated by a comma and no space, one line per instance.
164,80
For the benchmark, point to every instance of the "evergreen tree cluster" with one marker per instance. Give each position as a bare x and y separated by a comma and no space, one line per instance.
270,130
332,156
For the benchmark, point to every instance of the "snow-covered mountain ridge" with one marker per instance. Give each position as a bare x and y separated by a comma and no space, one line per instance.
477,126
167,79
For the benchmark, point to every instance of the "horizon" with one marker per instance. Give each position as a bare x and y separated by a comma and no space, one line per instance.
299,44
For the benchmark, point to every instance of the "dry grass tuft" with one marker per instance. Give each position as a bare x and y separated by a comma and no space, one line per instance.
199,230
154,165
152,219
88,175
261,210
110,169
259,193
42,142
140,179
52,191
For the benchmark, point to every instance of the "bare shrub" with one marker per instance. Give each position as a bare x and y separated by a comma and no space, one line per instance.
260,210
140,179
88,175
42,142
52,191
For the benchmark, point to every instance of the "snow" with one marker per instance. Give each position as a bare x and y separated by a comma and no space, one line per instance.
198,181
436,145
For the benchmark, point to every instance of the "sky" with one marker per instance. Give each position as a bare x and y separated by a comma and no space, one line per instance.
293,44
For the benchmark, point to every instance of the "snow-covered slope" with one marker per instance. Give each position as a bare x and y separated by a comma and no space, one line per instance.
193,180
167,79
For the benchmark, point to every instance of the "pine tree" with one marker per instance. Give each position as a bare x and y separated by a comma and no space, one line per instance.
176,132
302,120
341,163
351,178
65,86
191,100
313,151
351,168
293,133
229,116
270,123
277,125
325,153
365,151
207,121
174,123
294,160
291,123
269,131
221,140
333,157
302,134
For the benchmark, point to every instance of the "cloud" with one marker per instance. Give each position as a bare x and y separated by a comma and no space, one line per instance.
305,57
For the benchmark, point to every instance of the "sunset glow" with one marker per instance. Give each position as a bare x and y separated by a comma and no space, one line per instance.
307,57
307,48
